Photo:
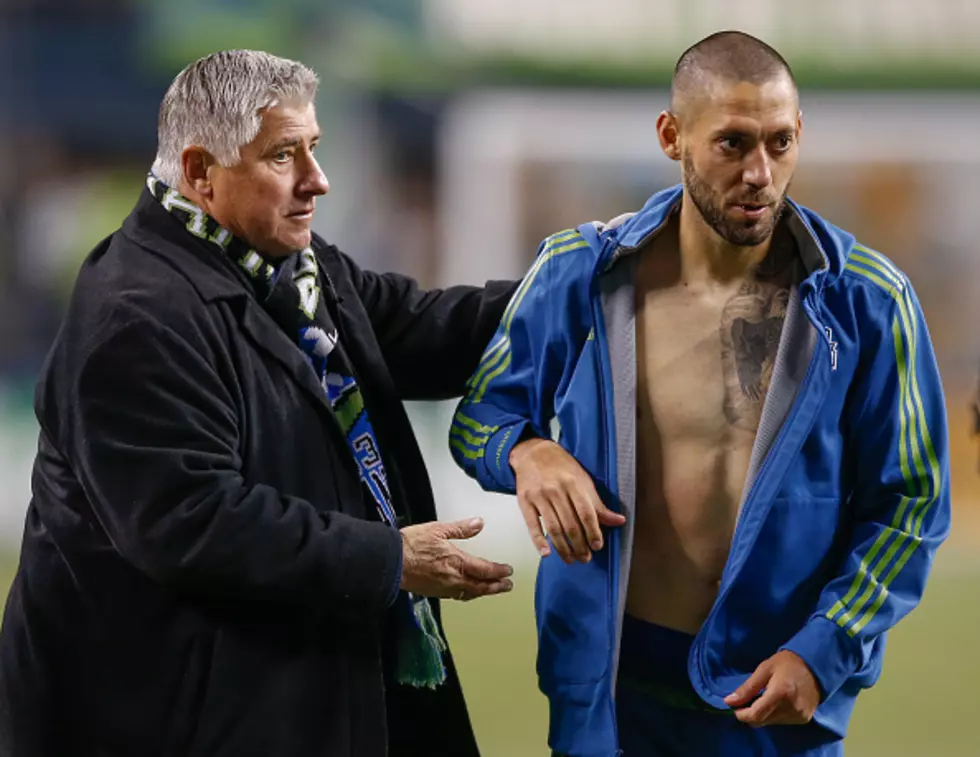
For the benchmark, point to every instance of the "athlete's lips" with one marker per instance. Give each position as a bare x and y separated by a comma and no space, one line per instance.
752,209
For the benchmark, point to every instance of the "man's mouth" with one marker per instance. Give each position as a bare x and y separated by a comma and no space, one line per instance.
752,209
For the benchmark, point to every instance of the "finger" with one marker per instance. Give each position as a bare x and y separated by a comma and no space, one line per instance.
483,570
462,529
533,522
572,527
487,589
607,517
760,711
751,688
585,509
783,714
554,529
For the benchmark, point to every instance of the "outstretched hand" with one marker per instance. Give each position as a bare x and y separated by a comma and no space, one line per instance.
432,566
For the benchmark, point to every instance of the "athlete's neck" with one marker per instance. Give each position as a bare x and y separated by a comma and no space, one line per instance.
708,258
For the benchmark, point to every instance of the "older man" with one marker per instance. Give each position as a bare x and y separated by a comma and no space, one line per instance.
217,558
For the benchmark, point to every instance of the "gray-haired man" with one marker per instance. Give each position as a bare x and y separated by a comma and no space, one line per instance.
217,559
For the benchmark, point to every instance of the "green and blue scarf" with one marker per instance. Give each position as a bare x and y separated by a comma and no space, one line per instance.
289,290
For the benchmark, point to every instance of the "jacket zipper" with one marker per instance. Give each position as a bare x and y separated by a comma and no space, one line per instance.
775,452
602,343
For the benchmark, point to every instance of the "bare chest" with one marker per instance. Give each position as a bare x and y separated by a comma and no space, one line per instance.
705,360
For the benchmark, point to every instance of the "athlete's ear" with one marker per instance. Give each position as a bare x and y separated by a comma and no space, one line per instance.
668,132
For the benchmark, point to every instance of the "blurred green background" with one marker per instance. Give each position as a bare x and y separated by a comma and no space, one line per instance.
458,133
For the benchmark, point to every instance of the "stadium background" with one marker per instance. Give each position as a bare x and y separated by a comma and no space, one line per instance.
460,132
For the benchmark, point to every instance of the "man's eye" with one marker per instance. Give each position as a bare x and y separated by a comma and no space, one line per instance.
731,143
281,157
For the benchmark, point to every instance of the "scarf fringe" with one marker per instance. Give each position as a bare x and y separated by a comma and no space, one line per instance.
420,647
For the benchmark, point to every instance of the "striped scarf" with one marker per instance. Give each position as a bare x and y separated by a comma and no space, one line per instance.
290,292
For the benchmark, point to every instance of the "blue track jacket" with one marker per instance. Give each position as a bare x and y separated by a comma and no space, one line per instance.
847,496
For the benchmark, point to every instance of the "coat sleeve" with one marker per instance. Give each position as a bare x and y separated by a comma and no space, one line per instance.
431,340
901,501
153,437
511,394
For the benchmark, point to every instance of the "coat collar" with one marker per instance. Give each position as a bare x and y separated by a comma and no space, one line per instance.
216,277
210,272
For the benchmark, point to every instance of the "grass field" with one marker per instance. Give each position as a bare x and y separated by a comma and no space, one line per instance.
922,707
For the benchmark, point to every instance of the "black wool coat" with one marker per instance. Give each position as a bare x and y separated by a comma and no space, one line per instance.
201,574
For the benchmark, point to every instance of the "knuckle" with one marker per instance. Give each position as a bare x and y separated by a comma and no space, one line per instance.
455,563
533,524
551,488
529,498
566,478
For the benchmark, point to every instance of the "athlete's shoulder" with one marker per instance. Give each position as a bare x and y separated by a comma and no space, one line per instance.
870,269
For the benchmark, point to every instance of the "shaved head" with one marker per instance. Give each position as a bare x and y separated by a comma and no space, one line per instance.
723,58
734,125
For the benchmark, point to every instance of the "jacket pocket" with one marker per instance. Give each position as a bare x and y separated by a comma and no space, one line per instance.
572,604
795,547
798,550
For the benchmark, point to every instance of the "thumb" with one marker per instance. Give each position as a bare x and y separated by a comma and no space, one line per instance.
464,529
748,690
607,517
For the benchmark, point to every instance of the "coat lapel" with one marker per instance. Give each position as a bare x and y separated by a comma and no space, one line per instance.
218,278
268,337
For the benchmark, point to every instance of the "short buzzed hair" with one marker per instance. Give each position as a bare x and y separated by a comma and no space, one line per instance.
727,56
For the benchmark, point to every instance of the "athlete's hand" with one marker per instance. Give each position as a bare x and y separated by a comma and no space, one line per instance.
552,487
790,697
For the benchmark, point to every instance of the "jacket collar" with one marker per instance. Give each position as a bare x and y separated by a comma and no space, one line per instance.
823,247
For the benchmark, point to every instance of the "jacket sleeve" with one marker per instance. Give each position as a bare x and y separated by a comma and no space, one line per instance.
431,340
153,435
901,500
511,394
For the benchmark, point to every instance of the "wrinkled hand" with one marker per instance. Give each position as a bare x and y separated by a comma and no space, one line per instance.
432,566
791,693
552,487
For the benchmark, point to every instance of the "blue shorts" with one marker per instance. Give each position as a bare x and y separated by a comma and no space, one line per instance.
660,715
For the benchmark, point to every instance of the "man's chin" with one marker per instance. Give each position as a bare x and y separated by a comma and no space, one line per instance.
745,237
294,242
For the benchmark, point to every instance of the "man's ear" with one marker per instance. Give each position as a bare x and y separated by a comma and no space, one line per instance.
668,131
196,164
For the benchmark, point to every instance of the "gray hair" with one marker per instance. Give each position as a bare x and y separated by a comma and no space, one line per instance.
215,103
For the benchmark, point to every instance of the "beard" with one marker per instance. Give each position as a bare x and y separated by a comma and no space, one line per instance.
747,232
